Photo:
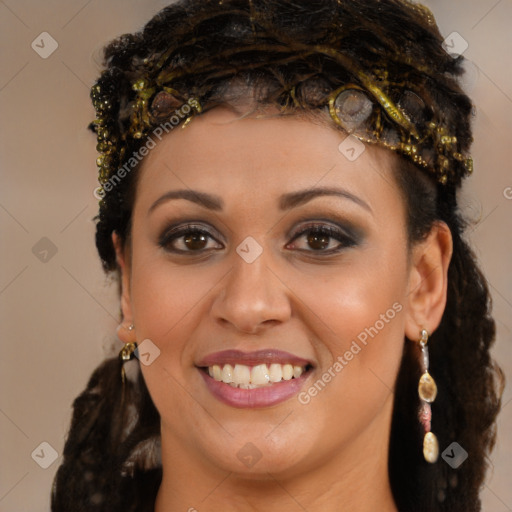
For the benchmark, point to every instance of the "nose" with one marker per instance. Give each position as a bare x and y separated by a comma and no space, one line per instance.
252,297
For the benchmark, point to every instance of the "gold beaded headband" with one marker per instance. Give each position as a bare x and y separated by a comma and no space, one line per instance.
372,107
351,108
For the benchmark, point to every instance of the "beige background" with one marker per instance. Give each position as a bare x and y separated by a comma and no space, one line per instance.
59,316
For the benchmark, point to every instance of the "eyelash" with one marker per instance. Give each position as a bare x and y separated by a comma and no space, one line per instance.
345,239
174,234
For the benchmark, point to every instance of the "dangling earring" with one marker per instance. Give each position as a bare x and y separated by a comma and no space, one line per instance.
427,390
127,353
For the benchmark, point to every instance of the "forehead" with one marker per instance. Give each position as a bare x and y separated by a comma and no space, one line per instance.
254,158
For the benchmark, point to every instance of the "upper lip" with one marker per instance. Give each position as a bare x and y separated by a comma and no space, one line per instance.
263,356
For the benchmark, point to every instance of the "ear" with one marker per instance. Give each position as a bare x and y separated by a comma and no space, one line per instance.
428,281
123,261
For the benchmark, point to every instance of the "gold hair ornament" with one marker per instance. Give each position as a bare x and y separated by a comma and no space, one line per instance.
352,108
112,151
373,106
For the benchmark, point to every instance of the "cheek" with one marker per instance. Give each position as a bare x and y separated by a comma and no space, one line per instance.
361,298
168,303
358,317
164,297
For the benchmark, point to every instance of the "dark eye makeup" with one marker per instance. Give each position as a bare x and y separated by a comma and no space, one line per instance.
191,236
318,236
193,239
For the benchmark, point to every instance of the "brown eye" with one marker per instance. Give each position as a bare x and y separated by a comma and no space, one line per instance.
321,237
187,239
196,241
318,241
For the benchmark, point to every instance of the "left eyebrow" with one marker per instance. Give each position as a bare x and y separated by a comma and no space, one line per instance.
294,199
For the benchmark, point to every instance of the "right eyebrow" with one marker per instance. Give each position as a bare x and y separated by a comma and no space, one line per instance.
209,201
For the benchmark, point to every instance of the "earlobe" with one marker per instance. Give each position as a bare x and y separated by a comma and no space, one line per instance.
428,281
124,335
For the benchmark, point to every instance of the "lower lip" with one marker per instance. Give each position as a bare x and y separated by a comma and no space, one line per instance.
257,397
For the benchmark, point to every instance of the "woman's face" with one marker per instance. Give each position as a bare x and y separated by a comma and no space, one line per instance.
265,236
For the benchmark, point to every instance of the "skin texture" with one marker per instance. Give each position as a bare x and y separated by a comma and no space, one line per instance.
332,450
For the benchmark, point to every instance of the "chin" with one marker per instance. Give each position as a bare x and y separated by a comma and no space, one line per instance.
254,457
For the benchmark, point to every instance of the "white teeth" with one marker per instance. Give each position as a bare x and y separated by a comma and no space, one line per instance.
241,374
287,371
247,377
226,374
217,372
259,375
276,372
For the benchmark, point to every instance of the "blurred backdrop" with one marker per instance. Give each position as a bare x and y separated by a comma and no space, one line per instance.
58,310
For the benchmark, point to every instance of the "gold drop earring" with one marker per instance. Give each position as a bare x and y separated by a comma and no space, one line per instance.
127,353
427,390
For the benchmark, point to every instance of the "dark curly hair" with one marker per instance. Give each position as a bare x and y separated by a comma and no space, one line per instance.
111,455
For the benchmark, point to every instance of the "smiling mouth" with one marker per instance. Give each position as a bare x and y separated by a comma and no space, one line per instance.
258,376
